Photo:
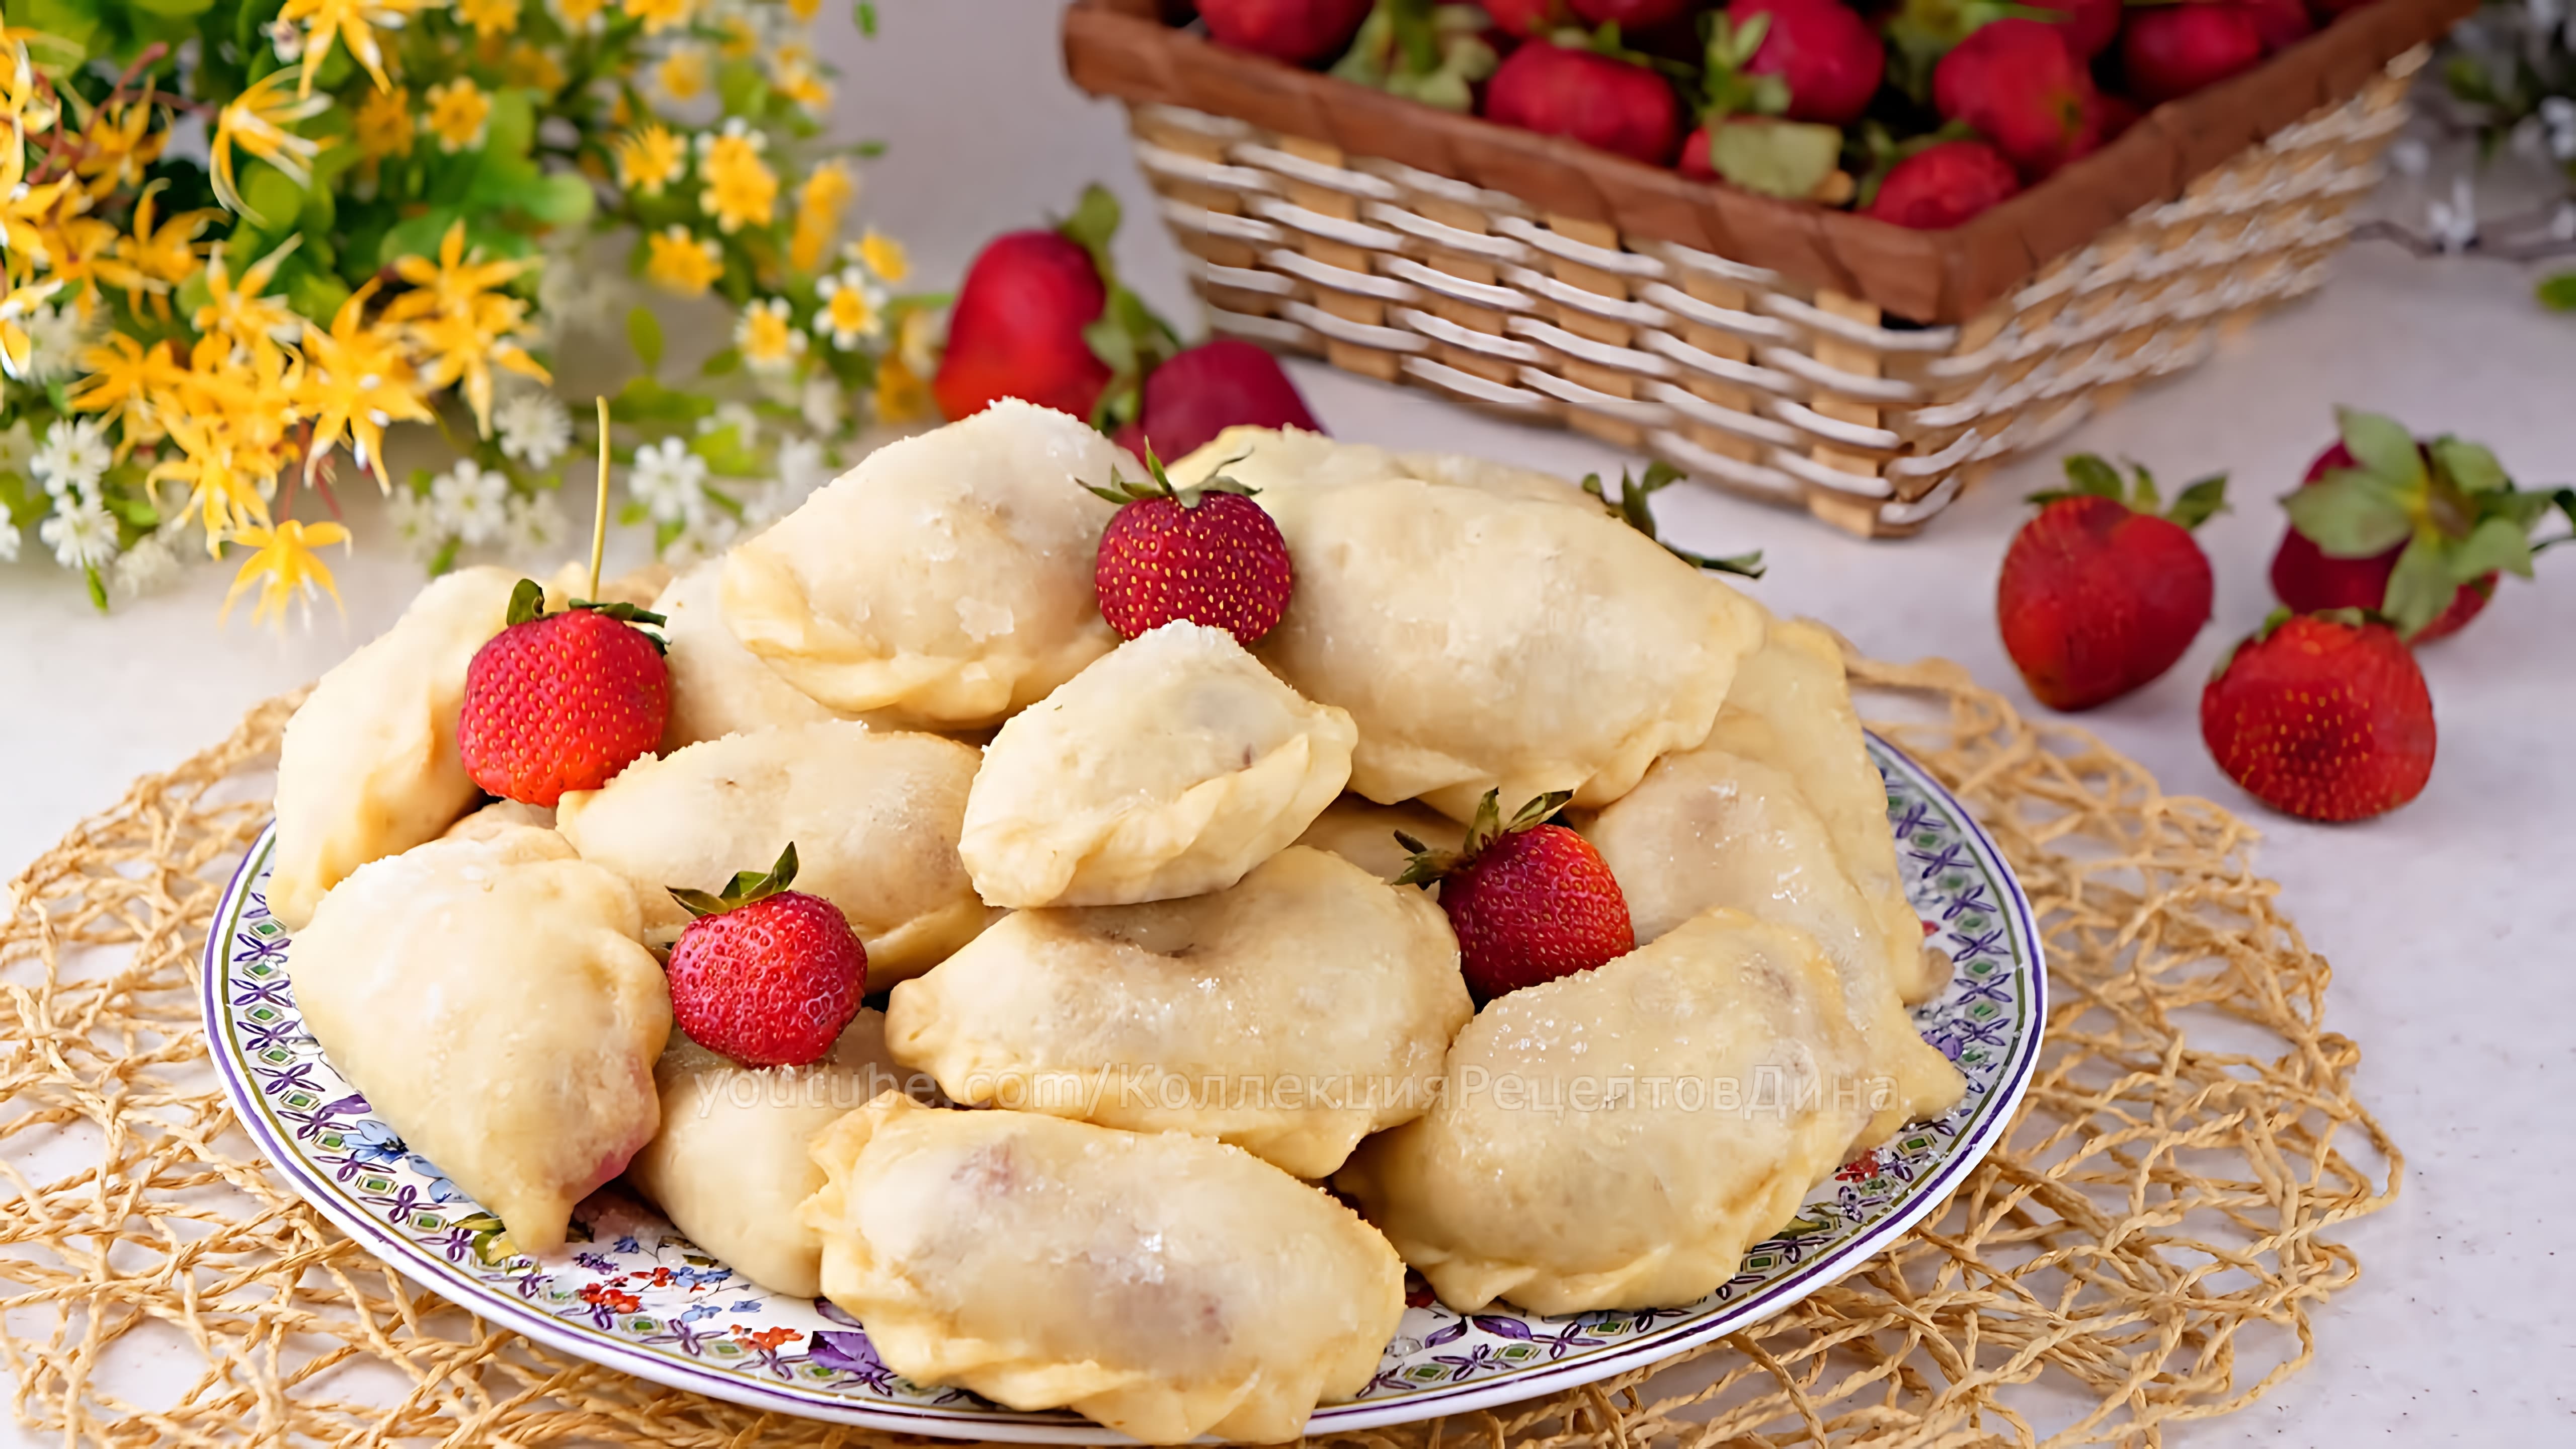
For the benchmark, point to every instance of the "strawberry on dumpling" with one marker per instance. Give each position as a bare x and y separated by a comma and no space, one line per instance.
1529,901
558,702
766,975
1206,553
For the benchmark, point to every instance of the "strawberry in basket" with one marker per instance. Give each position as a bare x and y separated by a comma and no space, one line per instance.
2019,85
1295,31
1600,95
2172,50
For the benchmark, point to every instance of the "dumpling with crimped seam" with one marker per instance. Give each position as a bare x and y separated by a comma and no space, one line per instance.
1163,1285
1169,768
719,688
946,579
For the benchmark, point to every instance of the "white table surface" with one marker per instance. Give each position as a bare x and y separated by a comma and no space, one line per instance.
2449,923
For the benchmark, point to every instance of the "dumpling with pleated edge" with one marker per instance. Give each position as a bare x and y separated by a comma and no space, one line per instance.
719,688
1291,1015
947,579
1168,768
1161,1284
493,999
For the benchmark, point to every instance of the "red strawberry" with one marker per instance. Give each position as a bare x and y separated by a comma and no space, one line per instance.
2090,25
766,975
1824,52
2323,716
1201,391
1530,901
2279,23
2417,531
1941,186
2173,50
1208,554
1629,14
1528,18
2020,87
558,702
1615,104
1295,31
1023,323
2104,589
2112,115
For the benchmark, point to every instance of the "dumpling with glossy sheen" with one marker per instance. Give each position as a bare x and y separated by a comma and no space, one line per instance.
494,1001
734,1157
1618,1137
1791,709
719,688
1362,832
873,815
946,578
1162,1284
1707,828
368,767
1484,635
1292,1015
1168,768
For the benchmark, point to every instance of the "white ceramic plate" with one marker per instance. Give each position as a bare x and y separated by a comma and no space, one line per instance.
635,1295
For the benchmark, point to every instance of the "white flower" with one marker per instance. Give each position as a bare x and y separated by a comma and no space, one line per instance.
737,128
533,427
2409,156
471,502
572,297
2558,117
736,415
82,534
802,468
536,522
670,481
55,337
767,337
415,521
75,456
820,401
17,448
285,40
146,568
9,539
853,310
2454,223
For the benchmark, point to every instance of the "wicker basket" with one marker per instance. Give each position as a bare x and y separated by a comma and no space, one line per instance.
1799,355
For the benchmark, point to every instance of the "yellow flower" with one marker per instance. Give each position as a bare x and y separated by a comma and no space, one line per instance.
679,262
384,127
461,352
650,159
805,10
682,75
353,23
660,15
14,311
239,313
357,381
458,114
78,247
489,17
532,68
285,565
116,147
884,256
827,191
119,378
793,74
462,323
456,282
580,15
740,40
765,336
849,310
223,483
741,189
24,208
23,99
159,254
256,120
917,341
901,394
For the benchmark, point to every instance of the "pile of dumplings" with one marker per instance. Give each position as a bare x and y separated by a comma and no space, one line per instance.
1147,986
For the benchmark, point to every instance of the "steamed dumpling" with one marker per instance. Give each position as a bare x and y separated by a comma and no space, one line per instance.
1791,709
718,687
1161,1284
1617,1138
1168,768
873,814
1708,828
1266,458
947,578
493,1000
368,767
1362,832
1292,1015
734,1157
1486,635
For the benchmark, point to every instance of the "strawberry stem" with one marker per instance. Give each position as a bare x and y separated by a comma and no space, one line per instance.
1633,508
745,887
599,511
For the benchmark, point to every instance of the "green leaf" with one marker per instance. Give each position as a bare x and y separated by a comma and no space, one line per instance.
527,601
561,199
417,236
2382,446
1093,225
1777,158
722,362
2420,587
97,587
644,334
2469,465
725,453
512,128
2203,500
174,9
865,13
2087,473
741,88
2557,293
2496,545
2350,515
272,198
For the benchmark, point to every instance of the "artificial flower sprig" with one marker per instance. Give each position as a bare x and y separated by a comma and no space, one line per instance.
379,224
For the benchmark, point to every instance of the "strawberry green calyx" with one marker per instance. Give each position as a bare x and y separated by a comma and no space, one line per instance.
1725,89
528,604
1422,51
1605,40
1158,484
2088,476
746,886
1885,153
1128,336
1429,865
1632,508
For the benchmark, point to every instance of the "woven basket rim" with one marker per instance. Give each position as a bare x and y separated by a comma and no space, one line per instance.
1125,49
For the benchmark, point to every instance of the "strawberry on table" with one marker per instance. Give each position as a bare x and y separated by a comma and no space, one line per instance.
1208,554
558,702
1295,31
1529,901
766,975
2104,589
2323,716
1202,391
1043,317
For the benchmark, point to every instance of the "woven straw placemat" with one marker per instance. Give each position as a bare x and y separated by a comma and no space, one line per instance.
2147,1247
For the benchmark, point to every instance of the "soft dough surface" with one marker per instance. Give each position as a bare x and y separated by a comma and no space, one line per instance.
1489,629
493,1000
734,1157
1161,1284
874,815
719,688
1617,1138
1362,832
1168,768
368,767
1708,828
947,578
1292,1015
